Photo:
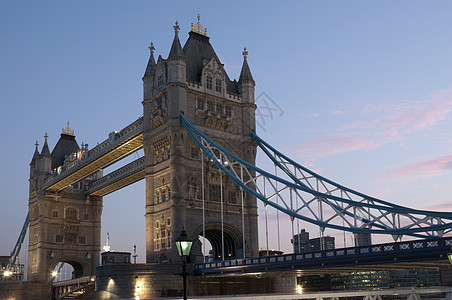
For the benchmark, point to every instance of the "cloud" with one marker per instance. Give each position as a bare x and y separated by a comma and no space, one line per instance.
380,124
424,169
334,144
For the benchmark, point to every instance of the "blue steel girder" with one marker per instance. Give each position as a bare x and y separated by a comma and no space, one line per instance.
118,179
304,195
119,145
19,243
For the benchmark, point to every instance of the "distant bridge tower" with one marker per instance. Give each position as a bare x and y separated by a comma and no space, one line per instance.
192,80
65,226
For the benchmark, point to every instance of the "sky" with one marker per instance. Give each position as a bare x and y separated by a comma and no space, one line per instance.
363,91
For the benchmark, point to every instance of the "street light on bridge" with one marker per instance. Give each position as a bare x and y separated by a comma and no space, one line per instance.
183,244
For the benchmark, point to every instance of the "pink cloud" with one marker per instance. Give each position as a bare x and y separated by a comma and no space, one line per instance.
424,169
334,144
381,124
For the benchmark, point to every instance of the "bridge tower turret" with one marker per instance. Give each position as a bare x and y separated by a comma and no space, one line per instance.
193,80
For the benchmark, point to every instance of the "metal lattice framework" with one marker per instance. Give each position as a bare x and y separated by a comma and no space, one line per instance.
302,194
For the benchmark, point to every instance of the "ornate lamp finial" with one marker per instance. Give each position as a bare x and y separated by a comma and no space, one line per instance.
152,48
176,27
67,130
245,53
198,28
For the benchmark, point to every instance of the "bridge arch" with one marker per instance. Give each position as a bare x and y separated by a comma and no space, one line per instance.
213,233
81,266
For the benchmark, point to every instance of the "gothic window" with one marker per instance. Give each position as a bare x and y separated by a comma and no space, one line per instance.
71,213
219,108
228,111
214,192
232,198
210,105
209,82
82,240
168,222
218,85
70,238
86,216
58,238
164,195
159,80
54,213
200,104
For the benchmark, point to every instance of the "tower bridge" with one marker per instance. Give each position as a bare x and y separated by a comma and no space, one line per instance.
199,141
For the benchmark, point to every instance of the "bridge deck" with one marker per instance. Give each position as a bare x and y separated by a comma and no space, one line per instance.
118,146
403,255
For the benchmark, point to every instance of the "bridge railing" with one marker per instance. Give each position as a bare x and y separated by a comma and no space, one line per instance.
380,249
76,281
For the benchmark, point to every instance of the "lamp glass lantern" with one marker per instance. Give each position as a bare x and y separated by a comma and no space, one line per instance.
183,244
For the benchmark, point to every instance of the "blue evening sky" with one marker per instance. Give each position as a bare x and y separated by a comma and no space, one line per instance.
364,90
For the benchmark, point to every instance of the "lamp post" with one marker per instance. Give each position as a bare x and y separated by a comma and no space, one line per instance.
183,244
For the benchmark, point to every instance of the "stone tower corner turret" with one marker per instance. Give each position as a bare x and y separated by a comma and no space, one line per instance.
176,60
246,81
149,75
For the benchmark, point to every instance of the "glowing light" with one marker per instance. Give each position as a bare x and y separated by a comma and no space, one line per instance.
7,273
299,289
54,274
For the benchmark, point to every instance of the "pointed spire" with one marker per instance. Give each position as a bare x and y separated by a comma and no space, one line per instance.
245,74
150,69
36,154
176,48
45,149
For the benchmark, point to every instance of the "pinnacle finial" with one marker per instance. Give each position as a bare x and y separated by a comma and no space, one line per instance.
152,48
67,130
37,145
198,28
46,137
176,27
245,53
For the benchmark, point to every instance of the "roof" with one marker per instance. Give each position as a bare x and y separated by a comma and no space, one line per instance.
65,146
196,49
245,74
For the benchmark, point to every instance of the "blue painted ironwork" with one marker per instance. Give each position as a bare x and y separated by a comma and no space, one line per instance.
337,207
410,251
19,243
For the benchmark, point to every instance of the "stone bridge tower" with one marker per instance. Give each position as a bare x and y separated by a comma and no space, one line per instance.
64,226
193,80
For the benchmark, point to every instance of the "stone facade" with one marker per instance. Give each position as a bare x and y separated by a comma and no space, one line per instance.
192,80
64,226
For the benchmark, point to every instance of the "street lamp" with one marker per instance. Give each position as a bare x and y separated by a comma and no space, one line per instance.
183,244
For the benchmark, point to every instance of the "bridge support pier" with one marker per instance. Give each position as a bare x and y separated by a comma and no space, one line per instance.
163,280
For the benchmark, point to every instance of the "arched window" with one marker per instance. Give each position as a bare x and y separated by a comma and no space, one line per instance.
71,213
218,85
209,82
